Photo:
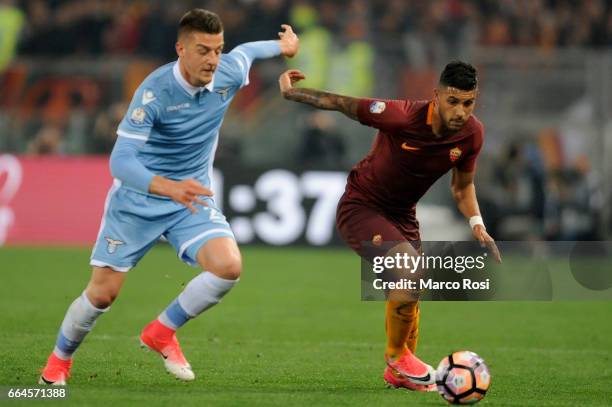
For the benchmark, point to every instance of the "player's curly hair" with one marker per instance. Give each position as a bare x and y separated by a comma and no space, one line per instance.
460,75
200,20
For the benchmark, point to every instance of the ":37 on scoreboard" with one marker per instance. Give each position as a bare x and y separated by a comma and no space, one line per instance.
280,206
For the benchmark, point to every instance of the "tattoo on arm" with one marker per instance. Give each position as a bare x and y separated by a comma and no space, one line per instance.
324,100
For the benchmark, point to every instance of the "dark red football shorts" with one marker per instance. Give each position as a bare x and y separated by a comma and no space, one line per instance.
366,228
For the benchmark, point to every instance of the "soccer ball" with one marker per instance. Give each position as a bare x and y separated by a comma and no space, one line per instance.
463,378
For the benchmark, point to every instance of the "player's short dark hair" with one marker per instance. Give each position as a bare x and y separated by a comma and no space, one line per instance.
460,75
200,20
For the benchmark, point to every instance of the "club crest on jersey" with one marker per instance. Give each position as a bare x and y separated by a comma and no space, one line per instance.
138,115
223,93
454,154
377,107
377,240
112,245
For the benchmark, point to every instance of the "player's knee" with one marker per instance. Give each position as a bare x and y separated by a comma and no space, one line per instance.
408,268
104,286
101,295
228,268
100,298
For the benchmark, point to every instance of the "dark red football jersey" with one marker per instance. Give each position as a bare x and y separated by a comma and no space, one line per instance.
407,157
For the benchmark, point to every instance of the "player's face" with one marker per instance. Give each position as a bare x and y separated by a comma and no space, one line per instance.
454,106
200,54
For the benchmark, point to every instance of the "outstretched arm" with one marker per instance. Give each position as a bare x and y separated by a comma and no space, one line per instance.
317,98
244,54
288,45
464,193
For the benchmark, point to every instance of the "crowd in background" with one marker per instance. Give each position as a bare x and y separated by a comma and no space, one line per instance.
401,32
95,27
359,47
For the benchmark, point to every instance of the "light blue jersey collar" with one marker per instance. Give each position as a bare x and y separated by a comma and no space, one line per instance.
189,88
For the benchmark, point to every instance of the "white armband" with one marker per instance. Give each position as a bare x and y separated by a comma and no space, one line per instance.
476,220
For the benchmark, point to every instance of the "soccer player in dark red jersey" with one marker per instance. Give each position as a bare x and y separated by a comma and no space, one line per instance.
417,143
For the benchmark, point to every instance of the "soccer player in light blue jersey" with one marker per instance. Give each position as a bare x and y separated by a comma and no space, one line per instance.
162,164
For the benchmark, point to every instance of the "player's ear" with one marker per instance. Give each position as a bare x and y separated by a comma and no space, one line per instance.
180,50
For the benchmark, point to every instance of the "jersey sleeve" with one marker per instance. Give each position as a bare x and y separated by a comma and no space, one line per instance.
468,163
124,164
141,115
383,114
241,58
133,132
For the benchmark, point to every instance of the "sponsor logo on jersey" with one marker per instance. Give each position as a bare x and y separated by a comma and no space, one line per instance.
138,115
148,96
113,244
178,107
406,147
454,154
377,107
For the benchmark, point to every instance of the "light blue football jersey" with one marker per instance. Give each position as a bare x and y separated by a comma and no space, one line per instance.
170,129
179,122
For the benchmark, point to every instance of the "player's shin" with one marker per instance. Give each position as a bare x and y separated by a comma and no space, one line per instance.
202,293
400,318
413,335
78,322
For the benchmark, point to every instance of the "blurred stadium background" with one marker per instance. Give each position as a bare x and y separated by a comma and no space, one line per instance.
68,70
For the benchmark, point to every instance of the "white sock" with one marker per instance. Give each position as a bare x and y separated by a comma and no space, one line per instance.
202,293
78,322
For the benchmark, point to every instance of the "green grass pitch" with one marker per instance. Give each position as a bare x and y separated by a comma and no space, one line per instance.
293,332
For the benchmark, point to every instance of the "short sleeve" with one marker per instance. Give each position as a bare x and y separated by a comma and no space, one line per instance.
141,115
468,163
383,114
